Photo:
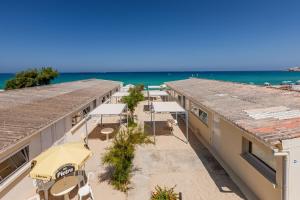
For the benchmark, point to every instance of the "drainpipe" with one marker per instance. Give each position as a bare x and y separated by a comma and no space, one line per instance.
285,177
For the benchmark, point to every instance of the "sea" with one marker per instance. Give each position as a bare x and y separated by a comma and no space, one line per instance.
158,78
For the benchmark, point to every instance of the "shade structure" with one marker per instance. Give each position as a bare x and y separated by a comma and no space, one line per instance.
155,93
121,94
163,107
126,87
59,161
168,107
108,109
154,87
163,86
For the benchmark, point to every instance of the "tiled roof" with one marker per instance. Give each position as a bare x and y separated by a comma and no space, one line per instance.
25,111
270,115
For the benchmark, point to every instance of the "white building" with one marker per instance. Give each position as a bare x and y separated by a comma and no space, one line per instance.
33,119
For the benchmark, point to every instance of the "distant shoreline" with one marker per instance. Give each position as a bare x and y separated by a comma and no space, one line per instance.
204,71
274,77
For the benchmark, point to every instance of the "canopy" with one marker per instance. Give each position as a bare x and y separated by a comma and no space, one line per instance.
127,87
172,107
154,87
59,161
120,94
108,109
163,86
155,93
169,107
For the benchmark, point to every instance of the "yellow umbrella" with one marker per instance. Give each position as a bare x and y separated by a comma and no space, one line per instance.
59,161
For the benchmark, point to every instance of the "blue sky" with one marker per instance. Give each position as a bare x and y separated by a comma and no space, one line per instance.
149,35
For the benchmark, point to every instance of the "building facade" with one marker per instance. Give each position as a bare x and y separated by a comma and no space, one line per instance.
33,119
252,131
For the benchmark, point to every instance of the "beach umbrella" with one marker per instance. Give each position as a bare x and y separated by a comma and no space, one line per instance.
59,161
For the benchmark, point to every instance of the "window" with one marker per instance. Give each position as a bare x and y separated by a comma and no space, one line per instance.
76,118
266,157
86,111
261,158
95,103
179,99
199,113
13,163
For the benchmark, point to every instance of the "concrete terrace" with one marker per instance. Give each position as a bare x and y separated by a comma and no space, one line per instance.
194,171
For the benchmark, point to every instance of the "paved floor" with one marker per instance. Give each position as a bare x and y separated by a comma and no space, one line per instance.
170,162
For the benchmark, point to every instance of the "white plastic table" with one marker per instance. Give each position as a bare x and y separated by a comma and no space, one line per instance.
64,186
107,131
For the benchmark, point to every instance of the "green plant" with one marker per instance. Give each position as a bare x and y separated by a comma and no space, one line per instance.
134,97
132,123
31,78
120,155
164,194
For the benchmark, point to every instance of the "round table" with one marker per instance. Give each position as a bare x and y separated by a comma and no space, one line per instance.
63,186
107,131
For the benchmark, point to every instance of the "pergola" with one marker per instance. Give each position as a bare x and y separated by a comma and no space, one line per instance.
126,87
169,107
156,93
154,87
118,95
107,110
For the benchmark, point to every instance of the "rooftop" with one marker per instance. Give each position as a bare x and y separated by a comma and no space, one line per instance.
25,111
270,115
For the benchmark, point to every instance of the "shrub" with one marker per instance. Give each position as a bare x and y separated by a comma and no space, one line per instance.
31,78
134,97
120,155
164,194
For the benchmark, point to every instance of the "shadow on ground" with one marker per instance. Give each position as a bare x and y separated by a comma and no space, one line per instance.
96,133
161,128
215,170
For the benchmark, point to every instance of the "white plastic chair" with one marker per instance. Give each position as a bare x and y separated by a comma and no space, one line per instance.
35,197
86,189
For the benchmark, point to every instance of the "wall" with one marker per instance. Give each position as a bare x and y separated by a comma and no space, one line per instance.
60,129
230,150
293,147
199,127
35,146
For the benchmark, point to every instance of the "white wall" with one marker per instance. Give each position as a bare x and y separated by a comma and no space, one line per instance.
59,130
294,169
35,146
68,123
46,138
